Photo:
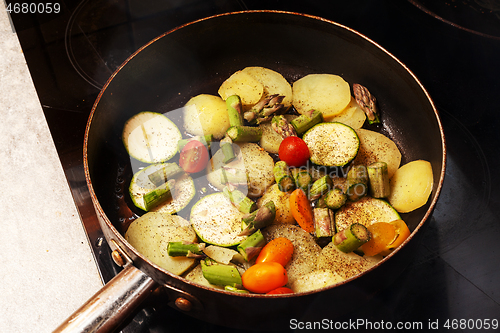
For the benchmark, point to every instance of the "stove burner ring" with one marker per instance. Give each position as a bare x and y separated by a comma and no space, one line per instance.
476,12
73,58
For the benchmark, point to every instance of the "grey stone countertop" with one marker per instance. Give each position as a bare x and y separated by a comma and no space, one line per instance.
47,270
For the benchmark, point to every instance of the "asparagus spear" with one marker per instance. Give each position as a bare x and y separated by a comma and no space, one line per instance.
233,105
367,102
220,274
189,250
262,111
244,133
239,200
283,127
334,199
307,120
252,245
283,177
258,219
160,194
320,187
233,176
226,145
302,178
351,238
160,176
228,151
379,180
206,140
323,222
357,182
236,290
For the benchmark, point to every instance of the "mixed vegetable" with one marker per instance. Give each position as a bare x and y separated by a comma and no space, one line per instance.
292,194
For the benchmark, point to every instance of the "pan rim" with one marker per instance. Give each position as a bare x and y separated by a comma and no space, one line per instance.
121,238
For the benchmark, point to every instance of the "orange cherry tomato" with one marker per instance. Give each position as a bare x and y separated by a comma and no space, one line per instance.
280,291
402,233
264,277
279,250
301,209
383,234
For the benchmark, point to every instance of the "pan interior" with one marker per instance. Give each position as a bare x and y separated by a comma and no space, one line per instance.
198,57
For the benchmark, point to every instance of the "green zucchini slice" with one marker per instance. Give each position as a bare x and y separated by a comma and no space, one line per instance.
151,137
365,211
217,221
332,144
182,193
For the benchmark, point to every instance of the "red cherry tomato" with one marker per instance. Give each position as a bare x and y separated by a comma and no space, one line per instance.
264,277
294,151
280,291
193,157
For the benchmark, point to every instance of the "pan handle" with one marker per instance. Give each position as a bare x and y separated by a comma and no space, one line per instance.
111,305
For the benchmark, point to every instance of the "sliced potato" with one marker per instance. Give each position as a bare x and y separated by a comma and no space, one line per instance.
256,162
196,276
352,115
222,255
376,147
244,85
411,186
345,264
151,233
270,139
273,83
316,280
206,114
305,249
281,202
327,93
259,165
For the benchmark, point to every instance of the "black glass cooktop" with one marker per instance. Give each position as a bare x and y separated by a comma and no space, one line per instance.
455,276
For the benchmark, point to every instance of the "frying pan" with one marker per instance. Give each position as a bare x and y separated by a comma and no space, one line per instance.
196,58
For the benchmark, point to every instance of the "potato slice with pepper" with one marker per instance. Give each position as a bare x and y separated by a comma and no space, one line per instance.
305,249
352,115
281,202
151,233
273,82
249,89
315,280
411,186
270,139
327,93
345,264
376,147
206,114
252,160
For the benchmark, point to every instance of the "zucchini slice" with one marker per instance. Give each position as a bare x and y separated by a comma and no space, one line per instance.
151,137
365,211
332,144
217,221
182,192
